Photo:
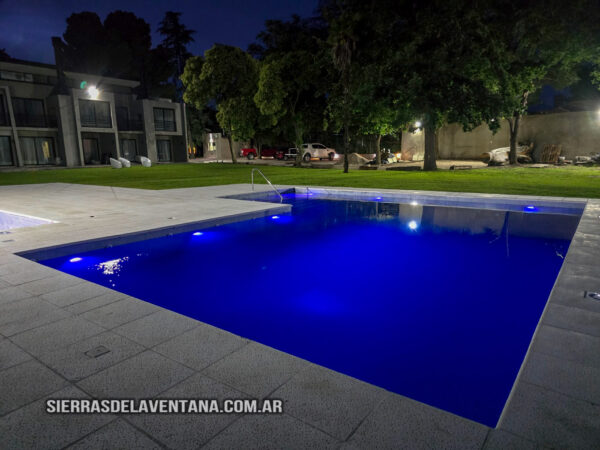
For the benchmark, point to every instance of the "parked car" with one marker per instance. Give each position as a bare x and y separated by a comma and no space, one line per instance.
316,150
249,153
290,153
274,152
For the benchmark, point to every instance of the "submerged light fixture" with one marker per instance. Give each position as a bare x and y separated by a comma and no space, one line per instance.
413,225
530,208
76,259
198,233
274,217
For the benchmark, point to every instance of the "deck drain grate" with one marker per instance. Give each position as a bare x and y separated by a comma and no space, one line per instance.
97,351
592,295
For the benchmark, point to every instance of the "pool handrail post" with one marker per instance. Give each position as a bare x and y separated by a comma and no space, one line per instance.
267,180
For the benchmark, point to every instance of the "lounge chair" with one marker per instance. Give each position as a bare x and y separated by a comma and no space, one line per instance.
115,164
125,162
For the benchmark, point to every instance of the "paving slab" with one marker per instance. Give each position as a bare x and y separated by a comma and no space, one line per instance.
117,313
27,314
502,440
11,293
399,422
55,335
330,401
25,383
141,376
574,319
116,435
32,427
89,356
256,369
272,432
75,294
552,419
11,355
201,346
50,284
189,431
573,379
157,327
95,302
568,345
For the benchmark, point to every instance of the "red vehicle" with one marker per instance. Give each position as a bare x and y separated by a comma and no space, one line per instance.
269,152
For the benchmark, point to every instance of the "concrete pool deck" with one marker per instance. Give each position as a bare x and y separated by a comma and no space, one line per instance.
49,321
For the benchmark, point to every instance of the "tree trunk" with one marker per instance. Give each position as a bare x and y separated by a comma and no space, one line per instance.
514,129
378,150
430,157
298,142
346,148
233,157
514,134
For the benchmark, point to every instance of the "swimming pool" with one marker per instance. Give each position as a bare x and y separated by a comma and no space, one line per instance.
10,221
438,303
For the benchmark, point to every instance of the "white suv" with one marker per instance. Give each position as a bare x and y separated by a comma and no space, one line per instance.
316,150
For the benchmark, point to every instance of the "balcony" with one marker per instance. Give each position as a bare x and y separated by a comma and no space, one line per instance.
164,125
4,120
35,121
130,125
95,122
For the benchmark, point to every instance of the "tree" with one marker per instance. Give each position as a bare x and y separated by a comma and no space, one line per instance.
176,39
3,55
537,42
293,76
86,41
228,77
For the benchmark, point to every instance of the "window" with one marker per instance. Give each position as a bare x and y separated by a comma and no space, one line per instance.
164,119
5,151
16,76
36,151
94,114
164,150
3,112
29,112
129,149
91,151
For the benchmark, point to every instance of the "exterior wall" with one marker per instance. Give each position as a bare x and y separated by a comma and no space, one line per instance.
63,116
577,132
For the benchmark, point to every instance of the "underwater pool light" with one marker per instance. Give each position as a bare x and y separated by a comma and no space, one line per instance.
413,225
274,217
530,208
76,259
198,233
377,198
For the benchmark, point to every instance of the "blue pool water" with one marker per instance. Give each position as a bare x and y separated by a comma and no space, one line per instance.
435,303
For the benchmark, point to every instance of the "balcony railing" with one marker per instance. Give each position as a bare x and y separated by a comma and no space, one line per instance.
4,120
164,125
130,125
35,120
93,122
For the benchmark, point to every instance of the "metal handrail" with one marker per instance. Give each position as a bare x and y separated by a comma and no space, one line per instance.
267,180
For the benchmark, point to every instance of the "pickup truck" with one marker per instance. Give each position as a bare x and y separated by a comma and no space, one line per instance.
313,150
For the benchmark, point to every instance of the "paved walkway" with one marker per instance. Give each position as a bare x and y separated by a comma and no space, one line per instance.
51,323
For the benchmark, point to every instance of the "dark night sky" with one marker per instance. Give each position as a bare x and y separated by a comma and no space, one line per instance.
27,25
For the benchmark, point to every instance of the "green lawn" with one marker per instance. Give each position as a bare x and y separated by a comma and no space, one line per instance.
553,181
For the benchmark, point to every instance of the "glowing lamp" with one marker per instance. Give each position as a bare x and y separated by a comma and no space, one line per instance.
76,259
414,203
413,225
198,233
274,217
530,208
93,92
418,124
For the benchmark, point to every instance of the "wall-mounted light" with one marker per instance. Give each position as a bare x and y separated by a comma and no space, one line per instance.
93,92
418,124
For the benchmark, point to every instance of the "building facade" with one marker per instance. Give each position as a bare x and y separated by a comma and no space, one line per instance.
100,118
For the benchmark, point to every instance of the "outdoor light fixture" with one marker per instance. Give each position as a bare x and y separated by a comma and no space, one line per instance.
413,225
76,259
93,92
414,203
418,124
198,233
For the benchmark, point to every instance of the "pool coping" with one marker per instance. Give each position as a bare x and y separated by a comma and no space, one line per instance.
535,411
